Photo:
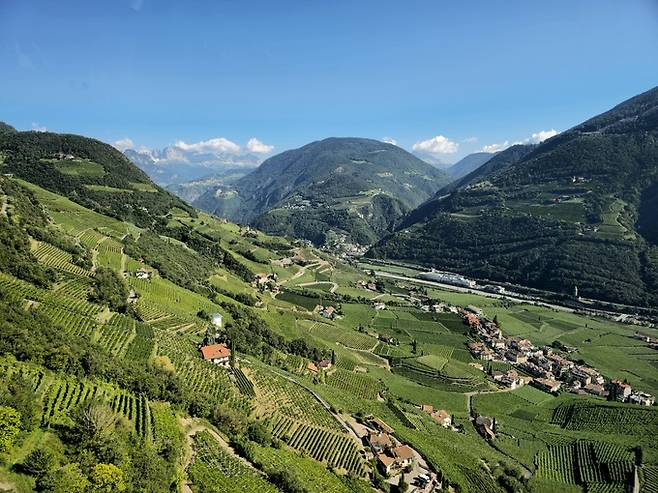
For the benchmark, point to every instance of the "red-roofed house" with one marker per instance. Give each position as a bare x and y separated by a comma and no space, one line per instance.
442,417
219,354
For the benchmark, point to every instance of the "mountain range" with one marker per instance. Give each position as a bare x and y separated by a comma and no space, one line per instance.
337,189
577,211
175,165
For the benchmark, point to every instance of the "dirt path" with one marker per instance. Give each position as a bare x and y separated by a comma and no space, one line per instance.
193,427
334,286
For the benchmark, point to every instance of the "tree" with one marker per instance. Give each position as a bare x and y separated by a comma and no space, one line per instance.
93,422
402,485
414,346
39,462
10,422
258,433
107,478
333,357
164,364
286,481
20,396
109,289
67,479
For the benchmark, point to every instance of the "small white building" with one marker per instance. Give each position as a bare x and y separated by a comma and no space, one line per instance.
217,320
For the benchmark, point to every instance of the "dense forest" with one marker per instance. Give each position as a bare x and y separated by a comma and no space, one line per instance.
577,210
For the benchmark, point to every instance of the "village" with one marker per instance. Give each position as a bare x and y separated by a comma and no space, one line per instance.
542,367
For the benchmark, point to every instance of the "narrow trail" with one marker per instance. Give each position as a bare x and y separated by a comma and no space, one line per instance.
193,427
334,286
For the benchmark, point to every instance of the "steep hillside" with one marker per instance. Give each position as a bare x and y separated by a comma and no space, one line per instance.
577,210
89,172
347,187
469,163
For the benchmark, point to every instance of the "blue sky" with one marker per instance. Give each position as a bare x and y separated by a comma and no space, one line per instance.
466,74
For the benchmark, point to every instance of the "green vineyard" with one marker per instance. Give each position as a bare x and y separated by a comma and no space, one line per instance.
586,463
214,470
291,400
200,376
606,418
355,383
336,449
58,259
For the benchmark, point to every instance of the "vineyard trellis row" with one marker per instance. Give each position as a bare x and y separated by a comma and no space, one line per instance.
336,449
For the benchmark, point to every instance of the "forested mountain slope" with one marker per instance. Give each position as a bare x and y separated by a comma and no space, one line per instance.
355,188
576,210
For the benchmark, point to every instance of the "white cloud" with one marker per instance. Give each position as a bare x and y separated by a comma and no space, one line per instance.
213,146
535,138
436,146
123,144
38,128
496,147
257,147
542,135
390,140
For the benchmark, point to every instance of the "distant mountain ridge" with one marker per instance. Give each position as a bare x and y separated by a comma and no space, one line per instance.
577,210
175,166
349,187
468,163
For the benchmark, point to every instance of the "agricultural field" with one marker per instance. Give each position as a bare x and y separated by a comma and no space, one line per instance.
215,470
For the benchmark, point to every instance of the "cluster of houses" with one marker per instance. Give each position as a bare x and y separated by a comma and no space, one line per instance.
392,456
369,285
329,312
441,416
541,366
266,282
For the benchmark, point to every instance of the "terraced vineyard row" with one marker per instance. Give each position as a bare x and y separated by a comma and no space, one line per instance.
157,292
72,322
76,287
333,448
243,383
215,470
90,238
605,418
117,334
649,479
135,409
142,346
58,259
53,299
277,393
355,383
110,253
586,463
64,395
